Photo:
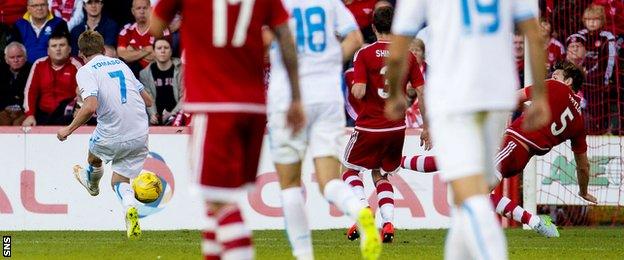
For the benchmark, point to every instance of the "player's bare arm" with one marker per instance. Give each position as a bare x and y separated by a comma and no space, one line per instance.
86,112
582,174
295,116
147,98
159,24
396,104
129,54
358,90
425,139
351,43
538,113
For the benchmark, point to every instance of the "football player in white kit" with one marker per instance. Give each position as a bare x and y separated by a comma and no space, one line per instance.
108,88
315,24
470,91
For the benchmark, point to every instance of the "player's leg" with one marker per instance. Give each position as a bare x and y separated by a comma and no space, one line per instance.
127,164
392,148
385,201
419,163
287,151
90,176
454,246
219,145
510,161
325,147
353,178
462,145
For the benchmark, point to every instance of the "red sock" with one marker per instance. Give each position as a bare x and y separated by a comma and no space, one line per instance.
211,249
509,209
419,163
352,177
385,196
232,234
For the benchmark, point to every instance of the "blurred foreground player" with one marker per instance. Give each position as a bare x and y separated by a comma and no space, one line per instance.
109,88
469,96
320,67
224,79
519,145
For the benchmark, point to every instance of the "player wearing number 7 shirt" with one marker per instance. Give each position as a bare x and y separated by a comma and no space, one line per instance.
224,79
520,145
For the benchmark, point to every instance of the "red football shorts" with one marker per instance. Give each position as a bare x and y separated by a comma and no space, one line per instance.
230,149
512,157
375,150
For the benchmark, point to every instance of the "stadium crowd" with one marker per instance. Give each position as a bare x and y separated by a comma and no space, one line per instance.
39,40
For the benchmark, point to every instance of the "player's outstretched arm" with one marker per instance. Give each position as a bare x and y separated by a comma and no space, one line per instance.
84,114
538,113
351,43
425,139
396,104
295,117
147,98
582,175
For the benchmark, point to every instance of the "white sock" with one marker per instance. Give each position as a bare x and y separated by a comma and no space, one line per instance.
94,174
339,193
482,234
125,194
454,246
296,222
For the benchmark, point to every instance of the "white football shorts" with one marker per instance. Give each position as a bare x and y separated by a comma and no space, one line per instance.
467,143
323,135
127,157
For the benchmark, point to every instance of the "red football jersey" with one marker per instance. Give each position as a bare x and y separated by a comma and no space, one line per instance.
555,52
130,36
566,121
369,68
362,10
224,53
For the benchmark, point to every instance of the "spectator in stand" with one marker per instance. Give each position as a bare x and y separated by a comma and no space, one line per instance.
13,77
599,63
68,10
135,41
362,10
575,44
518,49
555,51
5,35
51,85
96,21
12,10
35,28
162,80
601,52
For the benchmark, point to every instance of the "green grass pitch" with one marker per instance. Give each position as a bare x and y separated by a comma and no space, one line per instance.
574,243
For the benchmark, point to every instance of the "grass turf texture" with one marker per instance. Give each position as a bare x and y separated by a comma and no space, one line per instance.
574,243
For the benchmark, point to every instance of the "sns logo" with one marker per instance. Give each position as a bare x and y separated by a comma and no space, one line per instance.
156,164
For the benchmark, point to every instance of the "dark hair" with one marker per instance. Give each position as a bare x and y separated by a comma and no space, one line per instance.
571,71
58,34
382,19
162,39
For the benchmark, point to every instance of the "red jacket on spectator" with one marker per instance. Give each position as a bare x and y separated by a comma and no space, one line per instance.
46,88
555,52
601,56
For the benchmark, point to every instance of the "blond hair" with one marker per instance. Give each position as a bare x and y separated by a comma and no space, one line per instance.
595,11
90,43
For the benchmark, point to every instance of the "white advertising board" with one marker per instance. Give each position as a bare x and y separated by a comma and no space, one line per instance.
38,190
